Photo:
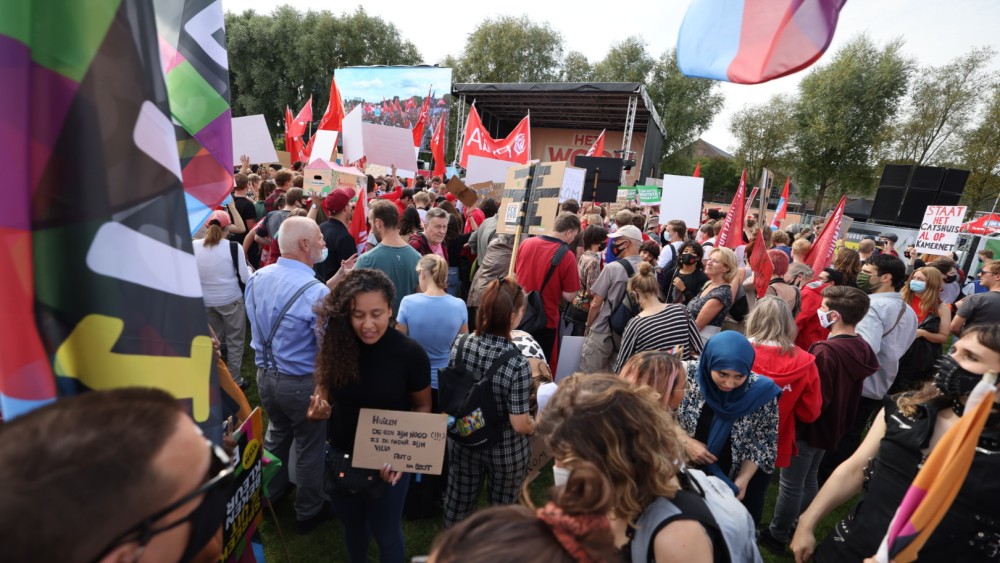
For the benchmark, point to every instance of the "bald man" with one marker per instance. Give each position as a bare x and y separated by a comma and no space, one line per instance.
280,300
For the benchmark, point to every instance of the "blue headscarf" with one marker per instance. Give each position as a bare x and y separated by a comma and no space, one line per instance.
730,350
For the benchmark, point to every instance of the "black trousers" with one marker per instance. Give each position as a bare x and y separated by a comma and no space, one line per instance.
867,408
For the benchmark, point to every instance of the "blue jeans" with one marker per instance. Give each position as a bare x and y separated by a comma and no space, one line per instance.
381,517
285,399
454,282
797,489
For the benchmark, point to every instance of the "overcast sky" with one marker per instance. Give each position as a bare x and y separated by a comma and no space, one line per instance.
935,31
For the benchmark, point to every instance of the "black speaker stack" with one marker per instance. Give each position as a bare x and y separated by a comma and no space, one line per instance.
905,191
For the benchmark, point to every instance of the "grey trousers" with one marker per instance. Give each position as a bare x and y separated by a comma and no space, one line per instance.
797,489
598,352
285,399
230,325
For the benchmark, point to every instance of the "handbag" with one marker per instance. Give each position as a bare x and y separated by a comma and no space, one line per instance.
341,478
577,311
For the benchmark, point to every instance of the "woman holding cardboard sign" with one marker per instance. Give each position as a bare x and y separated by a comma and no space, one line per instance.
363,364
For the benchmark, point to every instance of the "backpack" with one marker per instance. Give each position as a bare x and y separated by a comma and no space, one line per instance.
625,310
534,318
709,501
474,419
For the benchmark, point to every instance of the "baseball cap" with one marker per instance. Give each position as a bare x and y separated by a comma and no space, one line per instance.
628,231
337,200
219,216
889,236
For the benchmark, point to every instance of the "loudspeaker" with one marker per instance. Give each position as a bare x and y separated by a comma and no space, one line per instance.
945,198
905,192
914,206
896,175
927,178
887,202
609,177
954,182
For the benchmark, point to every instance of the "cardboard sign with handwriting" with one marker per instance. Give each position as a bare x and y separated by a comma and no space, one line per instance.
462,192
412,442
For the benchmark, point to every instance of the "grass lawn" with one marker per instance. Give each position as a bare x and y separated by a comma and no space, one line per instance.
326,542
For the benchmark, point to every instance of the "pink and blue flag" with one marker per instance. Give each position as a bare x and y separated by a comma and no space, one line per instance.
753,41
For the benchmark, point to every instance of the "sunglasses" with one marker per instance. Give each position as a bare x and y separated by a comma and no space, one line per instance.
208,515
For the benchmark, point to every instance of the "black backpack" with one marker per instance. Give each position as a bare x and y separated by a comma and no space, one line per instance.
468,399
625,310
534,319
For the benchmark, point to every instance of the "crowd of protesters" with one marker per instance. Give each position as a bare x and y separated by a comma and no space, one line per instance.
690,396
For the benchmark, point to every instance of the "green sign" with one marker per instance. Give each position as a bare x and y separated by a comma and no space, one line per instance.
643,195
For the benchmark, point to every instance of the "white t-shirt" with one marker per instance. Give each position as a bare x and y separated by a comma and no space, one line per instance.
218,277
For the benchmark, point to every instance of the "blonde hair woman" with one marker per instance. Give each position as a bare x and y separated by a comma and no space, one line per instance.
923,292
710,307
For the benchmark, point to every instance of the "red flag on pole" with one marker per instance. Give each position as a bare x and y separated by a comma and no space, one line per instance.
437,148
761,265
516,147
292,142
333,117
753,194
731,234
359,222
697,171
302,120
821,255
782,209
422,118
597,149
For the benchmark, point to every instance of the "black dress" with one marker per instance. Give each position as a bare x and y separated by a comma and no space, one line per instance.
970,530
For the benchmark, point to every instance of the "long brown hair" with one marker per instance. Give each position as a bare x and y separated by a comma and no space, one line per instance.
848,263
930,299
213,235
337,360
501,299
623,430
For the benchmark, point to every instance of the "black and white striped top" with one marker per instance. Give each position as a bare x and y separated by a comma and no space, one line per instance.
671,327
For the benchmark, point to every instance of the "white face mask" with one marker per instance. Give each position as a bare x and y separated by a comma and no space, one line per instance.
824,318
560,475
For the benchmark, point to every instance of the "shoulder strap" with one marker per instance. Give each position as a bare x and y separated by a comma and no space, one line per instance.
627,265
460,355
556,260
236,264
501,361
902,310
269,360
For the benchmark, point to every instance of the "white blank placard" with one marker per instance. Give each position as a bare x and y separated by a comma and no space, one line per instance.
681,199
251,138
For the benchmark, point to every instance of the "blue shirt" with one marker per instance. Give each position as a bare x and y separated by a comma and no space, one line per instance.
434,322
268,290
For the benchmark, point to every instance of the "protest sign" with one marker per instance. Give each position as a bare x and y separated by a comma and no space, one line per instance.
244,510
284,159
514,191
572,187
462,192
483,169
540,456
412,442
324,146
354,147
681,199
939,229
645,195
251,138
492,190
542,206
323,177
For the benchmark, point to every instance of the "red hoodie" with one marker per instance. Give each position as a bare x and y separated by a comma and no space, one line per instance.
801,399
810,330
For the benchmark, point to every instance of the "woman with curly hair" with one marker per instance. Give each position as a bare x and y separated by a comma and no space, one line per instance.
505,461
363,364
624,431
571,528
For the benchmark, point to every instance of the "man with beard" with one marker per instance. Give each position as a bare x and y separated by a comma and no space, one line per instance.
338,239
393,255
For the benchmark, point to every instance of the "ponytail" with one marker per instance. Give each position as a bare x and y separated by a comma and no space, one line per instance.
213,235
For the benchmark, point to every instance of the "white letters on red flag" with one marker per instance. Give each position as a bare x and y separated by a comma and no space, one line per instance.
821,255
761,265
515,148
437,148
597,149
731,234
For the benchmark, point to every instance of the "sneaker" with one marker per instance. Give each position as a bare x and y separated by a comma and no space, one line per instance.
325,513
767,540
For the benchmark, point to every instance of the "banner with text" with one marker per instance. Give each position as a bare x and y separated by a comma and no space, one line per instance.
244,511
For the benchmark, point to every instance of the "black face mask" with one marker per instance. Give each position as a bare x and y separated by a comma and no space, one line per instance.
950,279
616,249
688,259
603,247
954,380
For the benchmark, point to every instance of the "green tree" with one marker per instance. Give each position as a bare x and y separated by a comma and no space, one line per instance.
285,57
686,106
941,104
980,154
841,111
626,61
511,49
576,68
764,133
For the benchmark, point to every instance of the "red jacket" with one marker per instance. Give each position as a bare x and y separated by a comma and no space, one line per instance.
807,321
795,373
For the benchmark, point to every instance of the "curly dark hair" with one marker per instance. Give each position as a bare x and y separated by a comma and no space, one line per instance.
337,360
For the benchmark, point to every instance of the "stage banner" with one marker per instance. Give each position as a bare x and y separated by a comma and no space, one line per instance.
555,145
394,95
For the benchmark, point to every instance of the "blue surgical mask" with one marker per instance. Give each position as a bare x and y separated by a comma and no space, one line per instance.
918,286
323,255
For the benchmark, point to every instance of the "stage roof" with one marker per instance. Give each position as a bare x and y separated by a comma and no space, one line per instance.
568,105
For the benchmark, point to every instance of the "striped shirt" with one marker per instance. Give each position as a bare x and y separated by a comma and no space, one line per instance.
671,327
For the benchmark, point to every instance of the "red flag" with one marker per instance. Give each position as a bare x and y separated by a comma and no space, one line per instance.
437,148
821,255
697,171
292,142
333,117
516,147
731,234
302,120
753,194
422,118
782,209
359,222
597,149
761,265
